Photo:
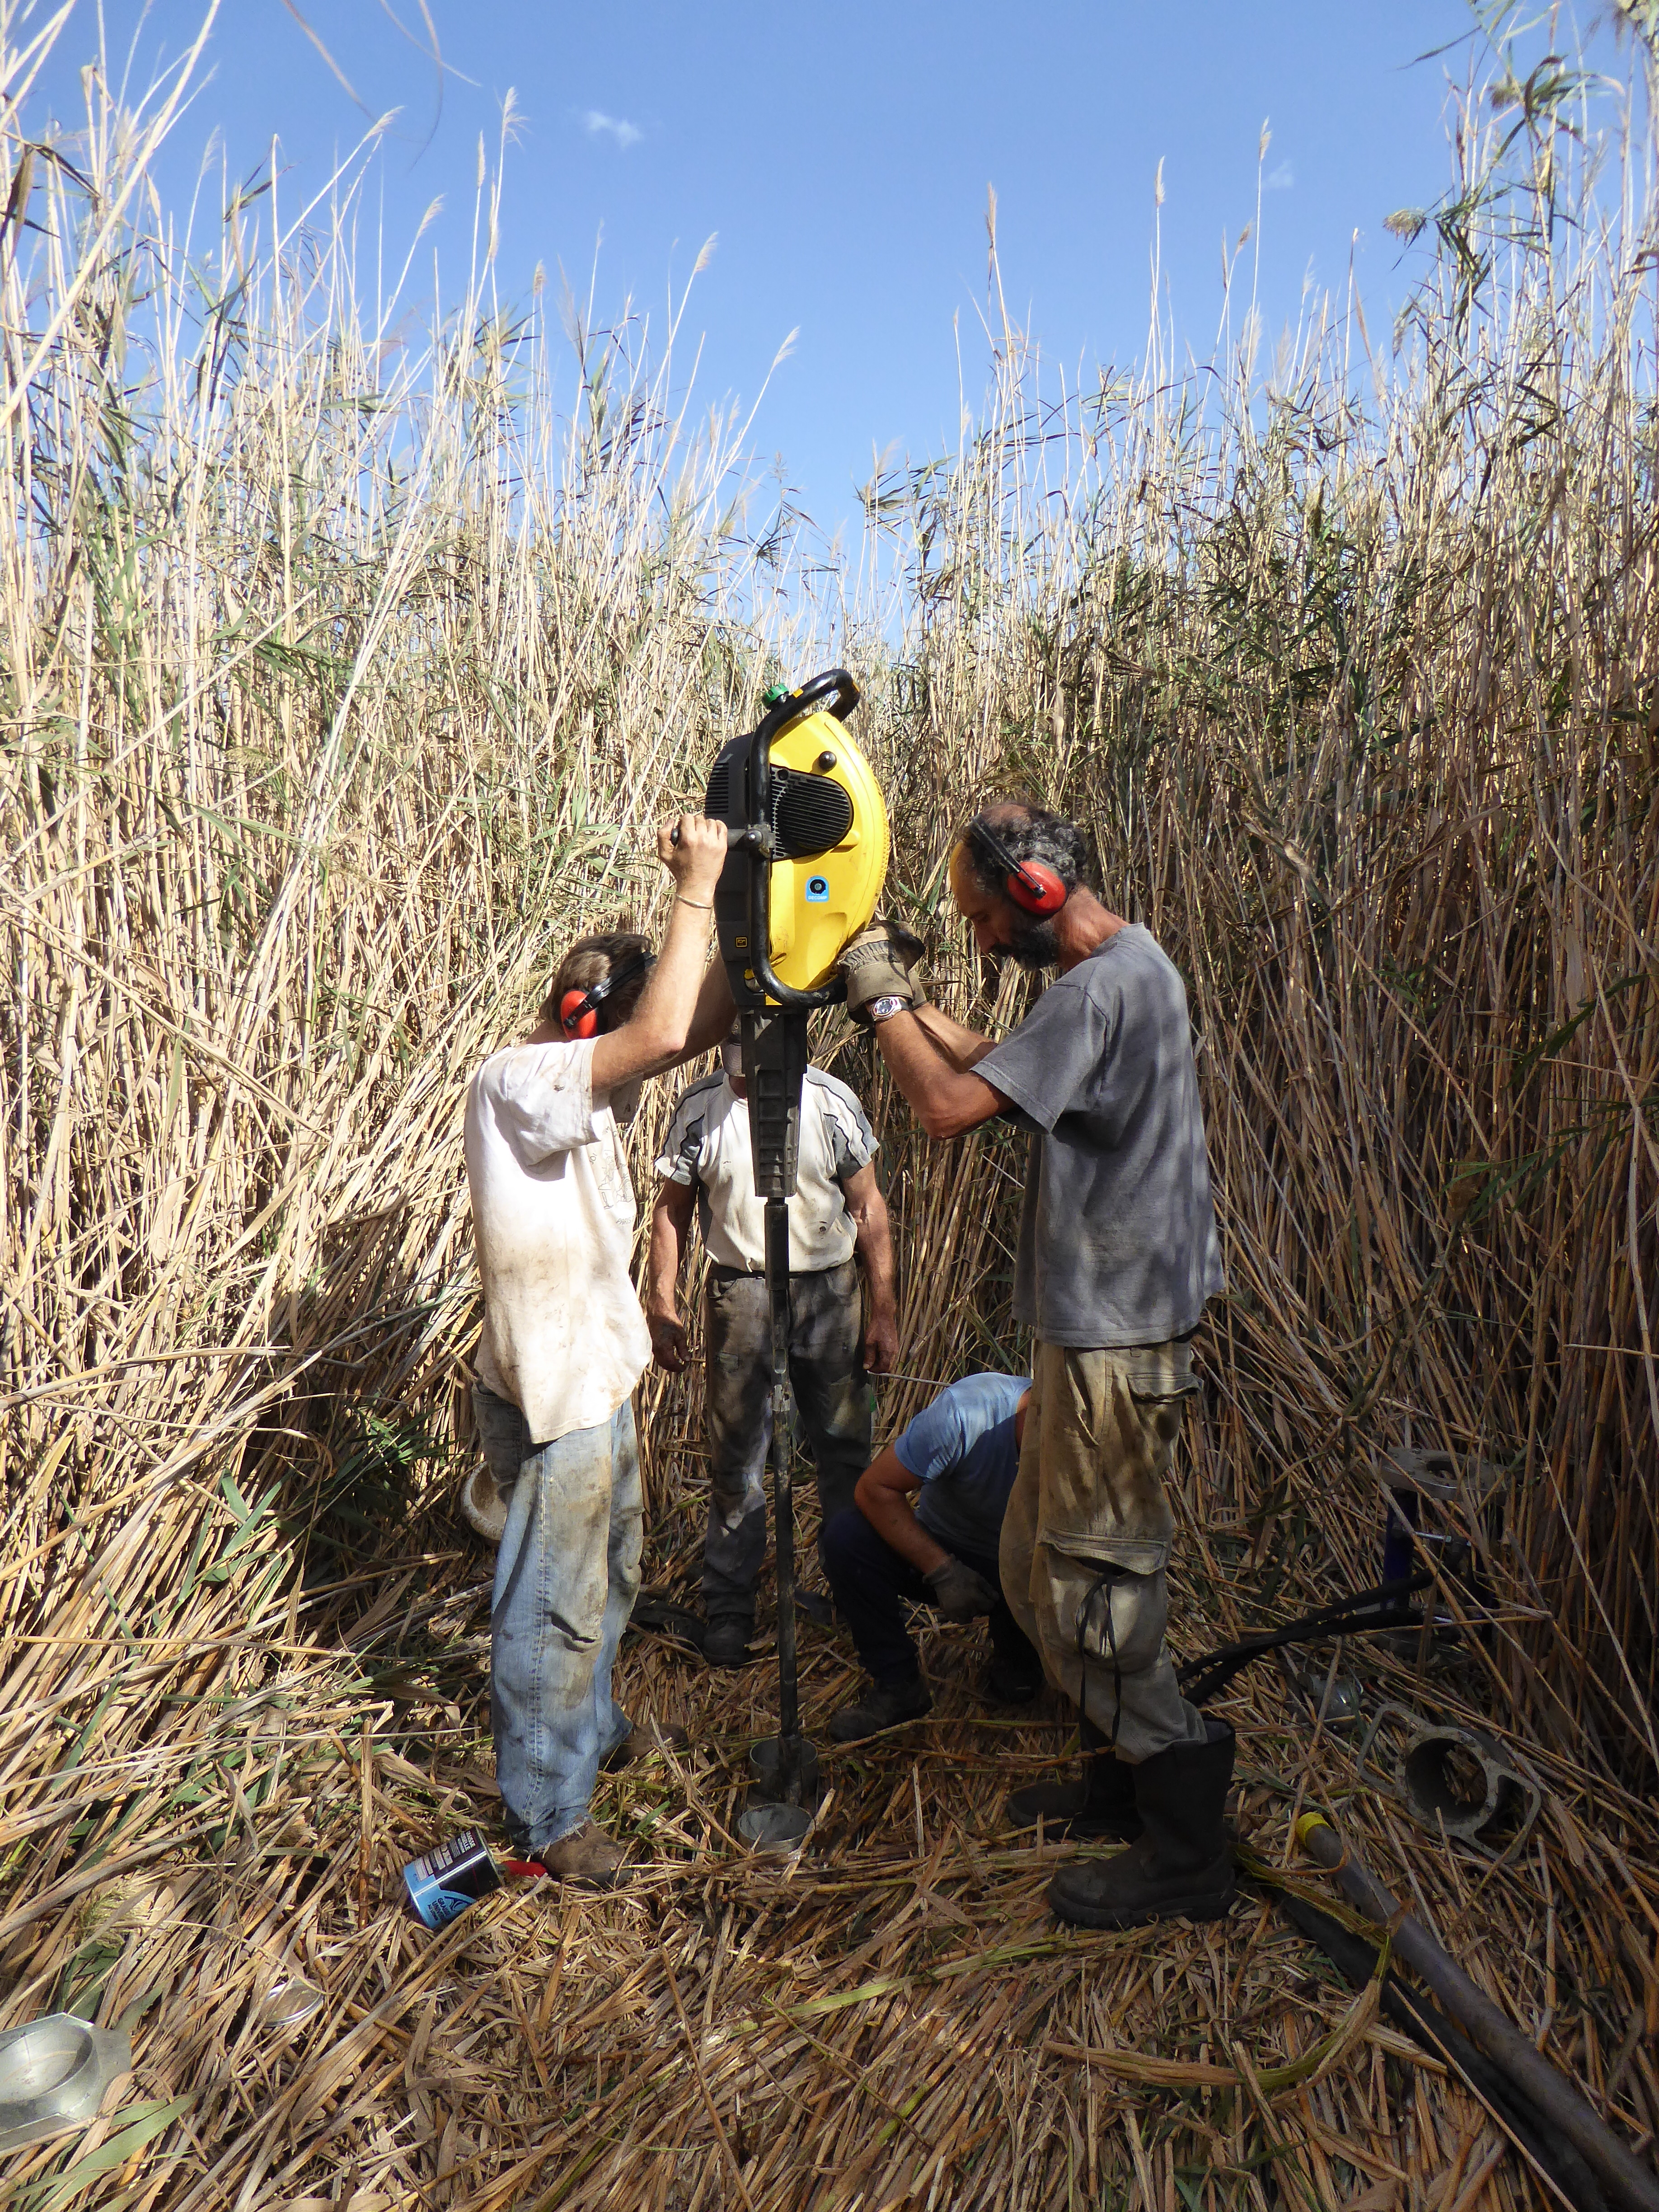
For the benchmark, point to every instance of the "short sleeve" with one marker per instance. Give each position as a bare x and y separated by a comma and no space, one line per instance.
852,1141
683,1145
1046,1065
934,1441
541,1098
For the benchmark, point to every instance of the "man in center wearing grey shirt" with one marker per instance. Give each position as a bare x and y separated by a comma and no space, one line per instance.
1117,1257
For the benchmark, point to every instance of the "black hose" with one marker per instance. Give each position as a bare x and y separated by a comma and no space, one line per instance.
1429,2029
1363,1614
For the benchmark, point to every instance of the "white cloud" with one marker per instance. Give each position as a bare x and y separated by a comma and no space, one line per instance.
1281,179
598,124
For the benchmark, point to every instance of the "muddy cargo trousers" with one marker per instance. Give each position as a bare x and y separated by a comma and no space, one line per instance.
1085,1540
832,1396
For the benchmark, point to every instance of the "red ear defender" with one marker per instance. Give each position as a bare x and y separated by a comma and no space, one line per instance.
1034,889
1031,885
579,1010
578,1016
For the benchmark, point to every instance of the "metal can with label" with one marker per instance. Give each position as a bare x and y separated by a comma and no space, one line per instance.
444,1882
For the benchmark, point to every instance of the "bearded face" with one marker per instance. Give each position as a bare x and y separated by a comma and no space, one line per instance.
1034,941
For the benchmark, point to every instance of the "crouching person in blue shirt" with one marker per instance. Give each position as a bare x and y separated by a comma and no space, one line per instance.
962,1454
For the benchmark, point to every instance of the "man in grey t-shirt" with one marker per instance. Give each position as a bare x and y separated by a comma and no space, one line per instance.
1117,1257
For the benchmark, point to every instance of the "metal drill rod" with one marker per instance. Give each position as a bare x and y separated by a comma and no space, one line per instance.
783,1501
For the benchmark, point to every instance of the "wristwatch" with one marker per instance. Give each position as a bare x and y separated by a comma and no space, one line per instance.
882,1010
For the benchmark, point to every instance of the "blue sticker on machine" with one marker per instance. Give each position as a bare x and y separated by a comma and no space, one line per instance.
818,891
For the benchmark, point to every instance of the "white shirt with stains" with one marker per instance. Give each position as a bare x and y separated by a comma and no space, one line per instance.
553,1213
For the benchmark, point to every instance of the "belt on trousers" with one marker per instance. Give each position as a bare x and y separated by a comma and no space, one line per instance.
758,1274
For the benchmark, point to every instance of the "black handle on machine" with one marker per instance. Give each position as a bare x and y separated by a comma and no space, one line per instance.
746,841
775,1061
813,693
836,688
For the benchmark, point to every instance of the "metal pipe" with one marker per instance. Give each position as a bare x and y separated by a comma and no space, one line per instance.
783,1502
1627,2181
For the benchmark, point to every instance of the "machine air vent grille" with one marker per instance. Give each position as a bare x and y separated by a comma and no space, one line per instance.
810,813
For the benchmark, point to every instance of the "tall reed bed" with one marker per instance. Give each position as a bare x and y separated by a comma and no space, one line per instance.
1356,683
344,678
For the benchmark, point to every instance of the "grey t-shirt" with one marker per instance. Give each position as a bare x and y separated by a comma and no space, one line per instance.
1117,1242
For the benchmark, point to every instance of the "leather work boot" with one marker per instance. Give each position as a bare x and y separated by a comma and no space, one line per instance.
1182,1867
588,1857
1101,1802
725,1640
642,1740
884,1706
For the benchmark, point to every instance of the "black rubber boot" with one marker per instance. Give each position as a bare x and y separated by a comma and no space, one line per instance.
725,1640
1100,1802
1003,1685
884,1706
1182,1867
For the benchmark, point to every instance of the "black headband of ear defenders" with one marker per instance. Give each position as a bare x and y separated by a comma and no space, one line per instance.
993,845
596,993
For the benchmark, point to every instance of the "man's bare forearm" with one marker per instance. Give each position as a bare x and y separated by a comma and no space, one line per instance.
893,1518
668,1227
946,1100
875,1241
715,1010
872,1233
960,1045
711,1019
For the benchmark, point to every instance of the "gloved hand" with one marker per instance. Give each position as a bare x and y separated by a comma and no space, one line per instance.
959,1593
883,961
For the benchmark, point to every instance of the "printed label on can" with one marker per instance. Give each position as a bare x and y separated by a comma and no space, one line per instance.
444,1881
438,1906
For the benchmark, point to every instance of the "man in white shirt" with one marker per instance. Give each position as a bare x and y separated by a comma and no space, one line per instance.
837,1219
564,1342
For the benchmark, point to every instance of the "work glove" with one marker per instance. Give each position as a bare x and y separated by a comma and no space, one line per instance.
959,1593
883,961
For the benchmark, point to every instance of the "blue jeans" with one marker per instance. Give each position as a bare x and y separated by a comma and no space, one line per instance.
567,1574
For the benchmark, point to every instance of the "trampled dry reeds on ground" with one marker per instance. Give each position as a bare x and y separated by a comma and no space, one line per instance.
342,685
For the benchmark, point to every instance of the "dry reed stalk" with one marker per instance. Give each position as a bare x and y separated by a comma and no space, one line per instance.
342,685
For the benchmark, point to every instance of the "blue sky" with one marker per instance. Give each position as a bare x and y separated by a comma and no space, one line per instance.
841,156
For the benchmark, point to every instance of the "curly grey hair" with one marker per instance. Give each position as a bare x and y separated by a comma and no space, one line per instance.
1030,833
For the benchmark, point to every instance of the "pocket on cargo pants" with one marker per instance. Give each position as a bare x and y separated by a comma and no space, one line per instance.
1109,1419
1110,1610
1104,1618
1107,1423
